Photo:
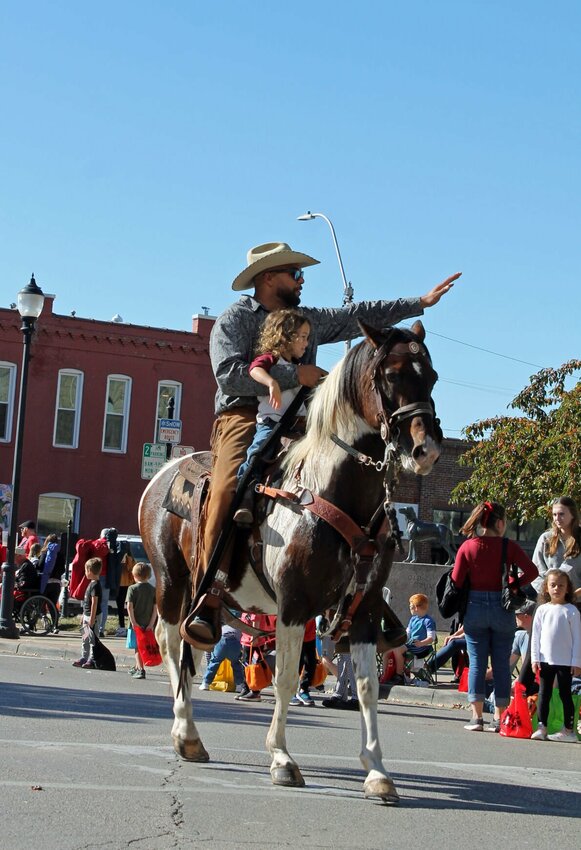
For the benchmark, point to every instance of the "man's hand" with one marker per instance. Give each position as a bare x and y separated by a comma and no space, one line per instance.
434,295
309,376
576,671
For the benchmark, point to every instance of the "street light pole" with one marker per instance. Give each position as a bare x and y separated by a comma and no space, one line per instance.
347,288
30,303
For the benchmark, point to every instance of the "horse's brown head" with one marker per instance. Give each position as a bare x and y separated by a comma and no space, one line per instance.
397,394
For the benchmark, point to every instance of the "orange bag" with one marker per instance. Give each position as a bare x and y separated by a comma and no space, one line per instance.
148,648
258,675
320,673
463,683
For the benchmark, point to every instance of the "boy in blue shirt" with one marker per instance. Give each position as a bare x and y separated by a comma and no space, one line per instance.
421,631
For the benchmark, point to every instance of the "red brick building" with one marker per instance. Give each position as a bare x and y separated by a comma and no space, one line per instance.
96,391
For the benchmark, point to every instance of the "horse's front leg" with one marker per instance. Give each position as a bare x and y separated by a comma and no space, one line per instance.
289,640
378,782
186,739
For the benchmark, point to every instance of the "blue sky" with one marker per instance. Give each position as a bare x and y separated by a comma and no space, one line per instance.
146,146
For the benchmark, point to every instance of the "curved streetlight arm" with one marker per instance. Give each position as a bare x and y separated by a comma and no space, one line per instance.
347,288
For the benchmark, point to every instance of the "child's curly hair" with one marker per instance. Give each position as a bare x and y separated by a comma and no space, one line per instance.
279,330
544,591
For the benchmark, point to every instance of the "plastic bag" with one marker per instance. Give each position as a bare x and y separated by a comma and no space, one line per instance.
515,721
147,647
556,722
258,675
320,674
224,678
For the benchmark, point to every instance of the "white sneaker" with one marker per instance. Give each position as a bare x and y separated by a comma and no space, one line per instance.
540,734
565,736
204,687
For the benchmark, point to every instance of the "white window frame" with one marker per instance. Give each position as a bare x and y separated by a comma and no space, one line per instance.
13,371
126,406
177,407
76,513
77,408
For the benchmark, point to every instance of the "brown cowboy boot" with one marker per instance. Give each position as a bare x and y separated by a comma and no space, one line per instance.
202,628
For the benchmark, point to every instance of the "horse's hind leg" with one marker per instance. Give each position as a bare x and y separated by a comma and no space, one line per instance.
283,769
378,782
186,740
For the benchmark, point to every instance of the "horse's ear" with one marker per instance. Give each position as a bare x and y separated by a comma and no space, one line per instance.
374,336
419,330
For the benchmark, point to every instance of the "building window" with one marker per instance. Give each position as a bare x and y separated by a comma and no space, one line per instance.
169,399
116,413
7,387
54,512
68,409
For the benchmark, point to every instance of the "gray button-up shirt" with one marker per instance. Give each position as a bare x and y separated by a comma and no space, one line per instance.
235,333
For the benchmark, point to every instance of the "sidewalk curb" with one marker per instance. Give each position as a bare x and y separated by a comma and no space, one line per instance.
70,647
67,652
430,697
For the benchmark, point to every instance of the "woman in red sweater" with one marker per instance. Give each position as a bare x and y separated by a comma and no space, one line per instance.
488,628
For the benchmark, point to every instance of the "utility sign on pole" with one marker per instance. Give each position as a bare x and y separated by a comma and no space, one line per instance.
154,457
170,430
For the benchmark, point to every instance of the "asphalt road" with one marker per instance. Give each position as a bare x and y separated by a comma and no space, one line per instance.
86,762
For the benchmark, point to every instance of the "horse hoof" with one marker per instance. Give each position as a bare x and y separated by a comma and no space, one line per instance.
290,776
382,788
190,750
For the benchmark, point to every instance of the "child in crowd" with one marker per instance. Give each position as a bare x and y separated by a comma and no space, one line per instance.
142,611
556,651
91,612
283,340
421,631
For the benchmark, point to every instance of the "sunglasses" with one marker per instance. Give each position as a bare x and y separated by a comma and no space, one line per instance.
296,274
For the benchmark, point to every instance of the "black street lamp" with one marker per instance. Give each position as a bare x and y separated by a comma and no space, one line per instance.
30,304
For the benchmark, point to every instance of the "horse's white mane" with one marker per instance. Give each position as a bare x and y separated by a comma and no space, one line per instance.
329,413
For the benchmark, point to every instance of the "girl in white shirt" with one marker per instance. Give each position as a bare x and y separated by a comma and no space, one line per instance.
556,651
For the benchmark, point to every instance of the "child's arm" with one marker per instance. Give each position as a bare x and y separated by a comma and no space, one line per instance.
93,614
131,615
263,377
153,617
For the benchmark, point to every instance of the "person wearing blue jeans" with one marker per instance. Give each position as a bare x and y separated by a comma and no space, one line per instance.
228,647
488,628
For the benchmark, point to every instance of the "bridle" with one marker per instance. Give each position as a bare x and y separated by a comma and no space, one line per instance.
389,421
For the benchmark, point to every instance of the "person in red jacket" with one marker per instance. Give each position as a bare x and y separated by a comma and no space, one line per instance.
488,627
29,538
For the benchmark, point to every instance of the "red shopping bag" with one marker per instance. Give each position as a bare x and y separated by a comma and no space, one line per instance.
515,721
389,669
463,683
147,647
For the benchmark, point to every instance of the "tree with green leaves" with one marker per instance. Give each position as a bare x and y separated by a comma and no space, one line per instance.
526,461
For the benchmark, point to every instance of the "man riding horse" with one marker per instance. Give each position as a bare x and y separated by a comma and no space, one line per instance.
275,272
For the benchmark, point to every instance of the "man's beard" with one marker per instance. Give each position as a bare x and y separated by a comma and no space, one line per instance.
289,297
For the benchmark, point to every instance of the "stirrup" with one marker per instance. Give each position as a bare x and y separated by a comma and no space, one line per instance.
199,632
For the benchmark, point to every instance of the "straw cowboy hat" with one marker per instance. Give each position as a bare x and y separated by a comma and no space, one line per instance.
272,255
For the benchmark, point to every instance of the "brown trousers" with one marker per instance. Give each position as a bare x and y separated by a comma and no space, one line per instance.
231,435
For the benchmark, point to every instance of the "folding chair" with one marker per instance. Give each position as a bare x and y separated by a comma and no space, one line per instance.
417,665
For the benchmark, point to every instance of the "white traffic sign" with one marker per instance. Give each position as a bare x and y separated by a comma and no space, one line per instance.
154,457
181,451
170,430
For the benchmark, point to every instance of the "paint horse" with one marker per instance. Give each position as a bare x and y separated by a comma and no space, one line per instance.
427,532
325,538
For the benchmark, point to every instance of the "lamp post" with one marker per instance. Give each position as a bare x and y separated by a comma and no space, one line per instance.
347,288
30,302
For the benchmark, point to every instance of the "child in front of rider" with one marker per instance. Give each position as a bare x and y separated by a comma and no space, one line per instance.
556,651
283,339
142,611
421,631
